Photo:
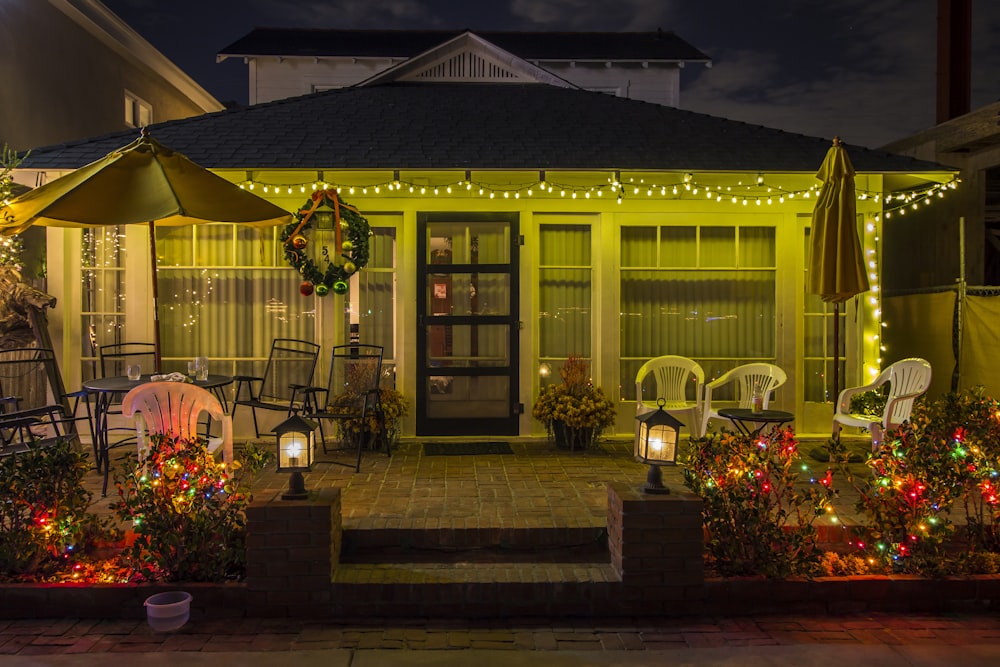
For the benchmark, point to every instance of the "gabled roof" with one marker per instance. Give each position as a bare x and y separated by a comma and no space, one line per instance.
445,126
562,46
467,58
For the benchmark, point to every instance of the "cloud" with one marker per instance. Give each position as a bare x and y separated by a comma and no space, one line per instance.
587,15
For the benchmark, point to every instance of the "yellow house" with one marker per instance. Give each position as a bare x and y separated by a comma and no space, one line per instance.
517,220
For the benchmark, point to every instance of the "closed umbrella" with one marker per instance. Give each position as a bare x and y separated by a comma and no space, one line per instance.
143,182
836,262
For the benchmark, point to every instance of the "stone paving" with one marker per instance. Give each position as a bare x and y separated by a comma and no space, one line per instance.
536,486
72,636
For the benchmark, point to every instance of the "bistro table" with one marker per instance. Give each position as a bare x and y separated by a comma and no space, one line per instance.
105,391
752,423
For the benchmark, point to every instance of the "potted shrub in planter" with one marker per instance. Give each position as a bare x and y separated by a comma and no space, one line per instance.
575,411
394,407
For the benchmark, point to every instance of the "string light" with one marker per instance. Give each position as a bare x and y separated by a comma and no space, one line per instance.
687,185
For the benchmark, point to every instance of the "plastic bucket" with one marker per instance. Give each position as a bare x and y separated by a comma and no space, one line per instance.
168,611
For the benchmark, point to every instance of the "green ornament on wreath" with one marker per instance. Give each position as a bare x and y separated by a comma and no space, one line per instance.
351,231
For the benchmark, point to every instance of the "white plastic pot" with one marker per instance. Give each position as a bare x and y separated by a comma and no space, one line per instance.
168,611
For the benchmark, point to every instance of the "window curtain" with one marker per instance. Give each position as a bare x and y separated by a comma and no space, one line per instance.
564,294
707,293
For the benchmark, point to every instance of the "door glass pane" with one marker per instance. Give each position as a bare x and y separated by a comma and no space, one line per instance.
467,345
468,294
462,397
468,243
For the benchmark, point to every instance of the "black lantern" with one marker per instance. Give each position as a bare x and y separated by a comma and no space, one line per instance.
295,443
656,444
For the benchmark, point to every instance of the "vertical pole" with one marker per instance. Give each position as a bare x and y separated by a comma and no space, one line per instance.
956,378
156,302
836,353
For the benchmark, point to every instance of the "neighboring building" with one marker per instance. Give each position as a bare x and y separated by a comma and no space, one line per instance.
942,262
638,65
73,70
576,224
952,257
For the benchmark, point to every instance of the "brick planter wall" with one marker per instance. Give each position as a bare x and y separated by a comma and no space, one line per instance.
293,547
657,547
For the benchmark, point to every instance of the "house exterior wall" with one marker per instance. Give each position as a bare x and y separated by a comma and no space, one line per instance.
65,69
607,218
273,78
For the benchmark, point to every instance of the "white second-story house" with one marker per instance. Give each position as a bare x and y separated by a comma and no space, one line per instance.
638,65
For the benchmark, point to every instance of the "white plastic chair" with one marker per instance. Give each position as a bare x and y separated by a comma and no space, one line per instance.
675,378
907,379
174,408
765,378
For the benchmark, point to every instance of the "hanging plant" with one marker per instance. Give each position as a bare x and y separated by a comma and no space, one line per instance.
350,247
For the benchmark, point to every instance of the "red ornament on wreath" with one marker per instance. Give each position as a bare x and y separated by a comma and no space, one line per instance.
350,230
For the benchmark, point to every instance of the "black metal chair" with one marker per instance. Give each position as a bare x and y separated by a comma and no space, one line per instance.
34,412
114,359
289,370
351,399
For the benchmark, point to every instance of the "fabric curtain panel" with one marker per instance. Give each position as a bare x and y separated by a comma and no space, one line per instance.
102,307
707,293
376,289
564,294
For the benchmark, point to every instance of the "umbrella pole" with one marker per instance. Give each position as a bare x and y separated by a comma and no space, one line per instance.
836,354
156,301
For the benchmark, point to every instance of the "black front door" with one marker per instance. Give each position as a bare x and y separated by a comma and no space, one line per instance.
467,326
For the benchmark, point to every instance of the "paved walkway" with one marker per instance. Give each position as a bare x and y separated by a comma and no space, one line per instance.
536,486
872,639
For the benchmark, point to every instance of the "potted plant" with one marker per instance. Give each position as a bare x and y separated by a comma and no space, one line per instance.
575,411
394,407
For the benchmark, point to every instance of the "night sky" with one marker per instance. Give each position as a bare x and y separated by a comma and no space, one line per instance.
861,69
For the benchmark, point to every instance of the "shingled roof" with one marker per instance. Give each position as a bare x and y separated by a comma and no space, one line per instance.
562,46
444,126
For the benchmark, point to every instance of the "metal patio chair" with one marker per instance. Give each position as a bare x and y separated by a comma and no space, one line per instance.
290,367
351,399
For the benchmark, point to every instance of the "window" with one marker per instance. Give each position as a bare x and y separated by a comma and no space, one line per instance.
375,287
102,311
138,112
564,292
817,349
704,292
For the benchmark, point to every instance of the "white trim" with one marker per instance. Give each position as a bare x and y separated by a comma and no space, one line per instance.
114,33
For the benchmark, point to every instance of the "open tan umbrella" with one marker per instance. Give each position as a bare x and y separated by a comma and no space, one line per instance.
836,261
143,182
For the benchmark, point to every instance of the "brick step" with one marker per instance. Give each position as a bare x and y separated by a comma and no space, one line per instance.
476,545
475,590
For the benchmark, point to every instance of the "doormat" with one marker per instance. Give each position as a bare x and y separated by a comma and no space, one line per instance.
466,448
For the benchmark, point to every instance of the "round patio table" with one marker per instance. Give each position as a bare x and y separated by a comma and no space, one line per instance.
107,389
752,423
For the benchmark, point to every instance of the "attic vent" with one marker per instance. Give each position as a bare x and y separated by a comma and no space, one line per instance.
467,67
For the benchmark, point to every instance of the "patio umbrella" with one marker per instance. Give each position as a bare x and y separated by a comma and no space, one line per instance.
836,262
143,182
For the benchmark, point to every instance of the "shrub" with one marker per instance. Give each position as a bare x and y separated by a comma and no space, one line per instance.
187,512
43,511
967,424
758,518
576,402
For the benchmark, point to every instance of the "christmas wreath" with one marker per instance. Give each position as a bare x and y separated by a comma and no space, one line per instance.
351,231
